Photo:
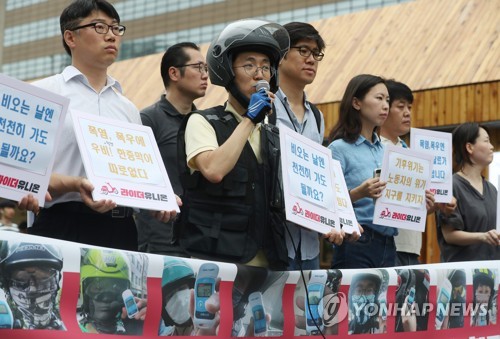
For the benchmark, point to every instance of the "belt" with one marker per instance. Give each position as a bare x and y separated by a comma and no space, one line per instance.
81,208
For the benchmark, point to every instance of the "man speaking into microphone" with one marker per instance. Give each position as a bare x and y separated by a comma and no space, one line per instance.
225,179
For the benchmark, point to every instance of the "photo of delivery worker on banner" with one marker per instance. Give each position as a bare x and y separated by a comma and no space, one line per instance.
485,294
257,302
190,299
319,307
412,299
30,283
367,302
113,295
451,298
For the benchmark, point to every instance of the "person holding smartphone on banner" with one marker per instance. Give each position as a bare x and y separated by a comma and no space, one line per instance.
107,303
354,143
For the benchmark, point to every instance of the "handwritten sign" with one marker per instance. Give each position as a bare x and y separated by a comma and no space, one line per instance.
440,146
123,162
308,182
29,132
408,175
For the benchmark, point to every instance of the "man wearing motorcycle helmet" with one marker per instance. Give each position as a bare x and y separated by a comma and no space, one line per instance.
104,275
225,214
177,280
364,302
30,276
458,283
225,162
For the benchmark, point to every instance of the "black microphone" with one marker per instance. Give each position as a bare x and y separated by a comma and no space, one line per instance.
262,84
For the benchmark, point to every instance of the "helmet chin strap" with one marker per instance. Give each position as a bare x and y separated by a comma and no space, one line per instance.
236,93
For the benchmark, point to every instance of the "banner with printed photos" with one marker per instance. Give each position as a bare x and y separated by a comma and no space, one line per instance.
58,289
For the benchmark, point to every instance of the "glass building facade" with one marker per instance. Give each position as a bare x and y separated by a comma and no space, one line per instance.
30,42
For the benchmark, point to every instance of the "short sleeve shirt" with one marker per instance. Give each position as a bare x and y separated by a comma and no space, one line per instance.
358,160
475,212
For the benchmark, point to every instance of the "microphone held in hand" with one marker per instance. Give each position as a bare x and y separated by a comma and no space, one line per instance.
262,84
260,103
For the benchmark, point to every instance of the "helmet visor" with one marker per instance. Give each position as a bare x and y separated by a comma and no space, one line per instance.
109,289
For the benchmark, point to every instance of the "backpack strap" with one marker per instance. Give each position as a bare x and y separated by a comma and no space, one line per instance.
317,115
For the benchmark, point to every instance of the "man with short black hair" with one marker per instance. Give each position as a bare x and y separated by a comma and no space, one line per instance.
298,69
185,77
91,33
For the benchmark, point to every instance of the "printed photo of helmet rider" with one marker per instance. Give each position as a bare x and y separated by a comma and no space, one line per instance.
484,283
412,296
177,281
109,302
318,305
30,277
367,292
257,302
190,298
451,297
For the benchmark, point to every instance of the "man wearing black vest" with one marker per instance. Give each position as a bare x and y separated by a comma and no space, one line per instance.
225,212
184,73
224,172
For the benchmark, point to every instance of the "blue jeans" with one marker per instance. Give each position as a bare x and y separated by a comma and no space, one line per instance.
372,250
310,264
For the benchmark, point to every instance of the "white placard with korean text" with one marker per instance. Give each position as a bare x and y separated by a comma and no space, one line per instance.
438,144
407,174
345,211
308,182
123,162
30,120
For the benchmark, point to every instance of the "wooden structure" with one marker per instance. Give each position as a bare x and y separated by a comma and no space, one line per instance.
447,51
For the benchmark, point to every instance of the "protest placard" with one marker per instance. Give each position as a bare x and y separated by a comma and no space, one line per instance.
30,118
123,162
439,145
402,204
345,211
309,185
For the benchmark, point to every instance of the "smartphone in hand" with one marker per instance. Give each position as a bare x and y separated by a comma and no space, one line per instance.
130,304
204,287
258,313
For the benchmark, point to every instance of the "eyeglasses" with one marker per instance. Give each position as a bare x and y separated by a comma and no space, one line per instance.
306,52
202,68
103,28
251,70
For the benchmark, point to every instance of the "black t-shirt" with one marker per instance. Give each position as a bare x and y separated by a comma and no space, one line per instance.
475,212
